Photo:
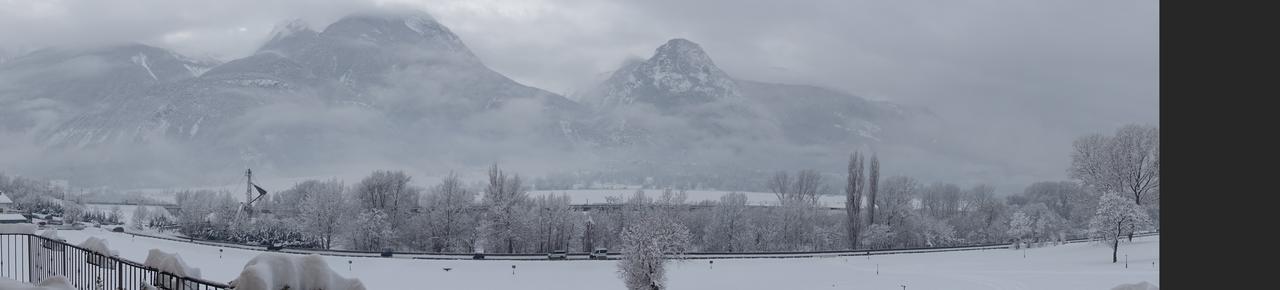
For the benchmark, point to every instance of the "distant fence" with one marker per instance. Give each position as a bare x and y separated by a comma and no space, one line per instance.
32,258
614,255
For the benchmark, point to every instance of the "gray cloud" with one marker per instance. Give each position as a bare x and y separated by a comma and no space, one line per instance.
1023,78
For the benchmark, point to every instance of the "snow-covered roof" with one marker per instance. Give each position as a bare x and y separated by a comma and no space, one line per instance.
5,199
12,217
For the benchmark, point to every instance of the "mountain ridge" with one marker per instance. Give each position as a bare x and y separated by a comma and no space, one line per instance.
378,86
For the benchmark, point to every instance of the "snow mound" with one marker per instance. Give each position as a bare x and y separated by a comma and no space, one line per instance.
17,229
98,245
272,271
1137,286
51,283
52,234
172,264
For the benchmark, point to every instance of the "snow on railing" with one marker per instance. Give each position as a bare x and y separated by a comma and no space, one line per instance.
31,258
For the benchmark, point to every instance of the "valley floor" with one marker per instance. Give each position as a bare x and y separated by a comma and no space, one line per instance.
1072,266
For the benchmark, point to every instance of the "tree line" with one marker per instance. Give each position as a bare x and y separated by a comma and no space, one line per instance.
1113,193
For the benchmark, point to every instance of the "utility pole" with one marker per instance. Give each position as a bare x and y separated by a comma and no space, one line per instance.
248,191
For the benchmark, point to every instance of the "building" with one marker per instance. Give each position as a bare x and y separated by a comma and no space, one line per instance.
13,218
6,204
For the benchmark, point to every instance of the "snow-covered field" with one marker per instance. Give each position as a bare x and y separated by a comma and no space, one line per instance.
1073,266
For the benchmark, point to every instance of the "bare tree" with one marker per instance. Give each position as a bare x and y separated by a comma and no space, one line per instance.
808,186
780,185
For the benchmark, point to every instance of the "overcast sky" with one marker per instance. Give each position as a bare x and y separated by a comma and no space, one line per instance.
1027,76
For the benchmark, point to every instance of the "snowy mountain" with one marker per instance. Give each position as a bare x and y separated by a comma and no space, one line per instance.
681,81
368,85
679,74
48,85
400,89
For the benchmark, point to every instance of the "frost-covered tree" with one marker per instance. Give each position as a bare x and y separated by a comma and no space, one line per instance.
205,213
797,199
141,217
873,188
941,200
853,200
370,231
554,223
1117,216
1066,199
1128,162
1020,225
507,205
448,218
388,192
878,236
645,244
324,209
728,229
937,232
1036,222
289,201
985,217
898,199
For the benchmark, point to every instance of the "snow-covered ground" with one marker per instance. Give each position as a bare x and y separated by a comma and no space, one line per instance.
1073,266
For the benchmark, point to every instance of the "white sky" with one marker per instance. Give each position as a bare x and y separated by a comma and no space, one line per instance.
1027,76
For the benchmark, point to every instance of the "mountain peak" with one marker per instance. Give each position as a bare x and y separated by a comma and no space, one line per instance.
289,36
395,28
678,74
289,27
683,49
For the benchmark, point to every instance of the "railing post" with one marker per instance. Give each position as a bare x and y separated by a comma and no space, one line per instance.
31,275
